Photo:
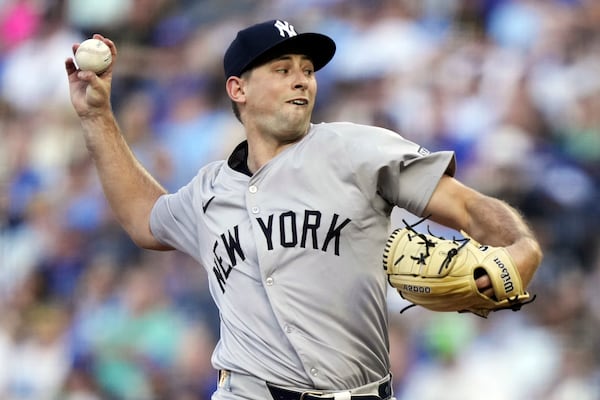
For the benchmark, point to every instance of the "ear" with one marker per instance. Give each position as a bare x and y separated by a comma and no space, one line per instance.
235,89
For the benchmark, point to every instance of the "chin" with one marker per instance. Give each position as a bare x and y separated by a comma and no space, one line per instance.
296,131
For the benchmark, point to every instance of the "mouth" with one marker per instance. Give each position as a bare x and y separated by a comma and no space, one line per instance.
298,102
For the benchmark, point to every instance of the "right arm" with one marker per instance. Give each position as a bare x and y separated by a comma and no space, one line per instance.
130,190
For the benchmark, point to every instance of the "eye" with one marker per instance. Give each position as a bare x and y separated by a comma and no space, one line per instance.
309,71
282,70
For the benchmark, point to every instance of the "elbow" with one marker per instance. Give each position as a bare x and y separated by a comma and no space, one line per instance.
142,237
149,243
538,253
535,251
529,260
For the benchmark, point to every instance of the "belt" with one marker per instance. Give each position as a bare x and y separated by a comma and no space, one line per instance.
384,392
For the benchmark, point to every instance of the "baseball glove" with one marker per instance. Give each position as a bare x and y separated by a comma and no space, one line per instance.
439,274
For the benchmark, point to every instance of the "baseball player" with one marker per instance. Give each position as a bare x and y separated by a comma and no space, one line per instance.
291,227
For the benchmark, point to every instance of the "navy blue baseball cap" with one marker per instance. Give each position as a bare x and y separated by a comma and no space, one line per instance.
263,42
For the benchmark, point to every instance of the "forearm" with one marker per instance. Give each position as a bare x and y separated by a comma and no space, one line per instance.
493,222
130,190
487,220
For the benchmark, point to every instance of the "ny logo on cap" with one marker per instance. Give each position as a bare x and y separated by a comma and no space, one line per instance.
285,27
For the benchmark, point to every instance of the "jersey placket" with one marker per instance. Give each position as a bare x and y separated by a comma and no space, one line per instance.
267,264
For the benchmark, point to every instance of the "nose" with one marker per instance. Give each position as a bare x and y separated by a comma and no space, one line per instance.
300,80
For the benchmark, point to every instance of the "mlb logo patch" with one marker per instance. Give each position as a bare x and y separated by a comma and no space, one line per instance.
423,151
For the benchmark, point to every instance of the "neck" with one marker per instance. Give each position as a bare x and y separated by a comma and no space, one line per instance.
262,148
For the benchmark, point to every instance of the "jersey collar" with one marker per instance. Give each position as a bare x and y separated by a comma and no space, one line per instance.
238,160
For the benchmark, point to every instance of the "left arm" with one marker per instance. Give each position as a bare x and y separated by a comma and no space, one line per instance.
488,221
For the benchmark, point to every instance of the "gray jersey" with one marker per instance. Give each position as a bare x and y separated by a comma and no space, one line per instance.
293,253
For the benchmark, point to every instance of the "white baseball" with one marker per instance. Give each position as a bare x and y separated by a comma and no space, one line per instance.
93,55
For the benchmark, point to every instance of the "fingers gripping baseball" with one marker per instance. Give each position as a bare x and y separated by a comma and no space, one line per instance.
93,55
90,91
452,275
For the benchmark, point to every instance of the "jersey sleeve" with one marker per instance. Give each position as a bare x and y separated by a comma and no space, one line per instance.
173,219
404,173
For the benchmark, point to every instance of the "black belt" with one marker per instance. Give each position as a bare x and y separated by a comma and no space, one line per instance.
384,392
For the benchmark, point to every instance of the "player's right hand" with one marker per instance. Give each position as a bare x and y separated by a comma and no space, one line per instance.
90,93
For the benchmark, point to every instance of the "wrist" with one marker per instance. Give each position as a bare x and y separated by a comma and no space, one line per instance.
527,255
98,121
99,130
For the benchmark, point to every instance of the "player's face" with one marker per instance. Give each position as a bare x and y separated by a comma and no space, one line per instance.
280,97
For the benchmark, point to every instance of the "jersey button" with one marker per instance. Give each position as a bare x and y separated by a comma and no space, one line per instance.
253,189
287,328
269,281
255,210
314,371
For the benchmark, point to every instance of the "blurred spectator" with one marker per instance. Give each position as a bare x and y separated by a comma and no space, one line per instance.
90,16
134,354
33,73
37,363
193,375
19,21
193,131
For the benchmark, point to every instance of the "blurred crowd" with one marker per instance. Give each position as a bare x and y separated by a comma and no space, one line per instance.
512,86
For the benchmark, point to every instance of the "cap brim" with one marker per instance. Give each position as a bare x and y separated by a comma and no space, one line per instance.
319,48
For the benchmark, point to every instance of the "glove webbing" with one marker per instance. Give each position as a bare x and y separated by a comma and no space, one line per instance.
430,244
